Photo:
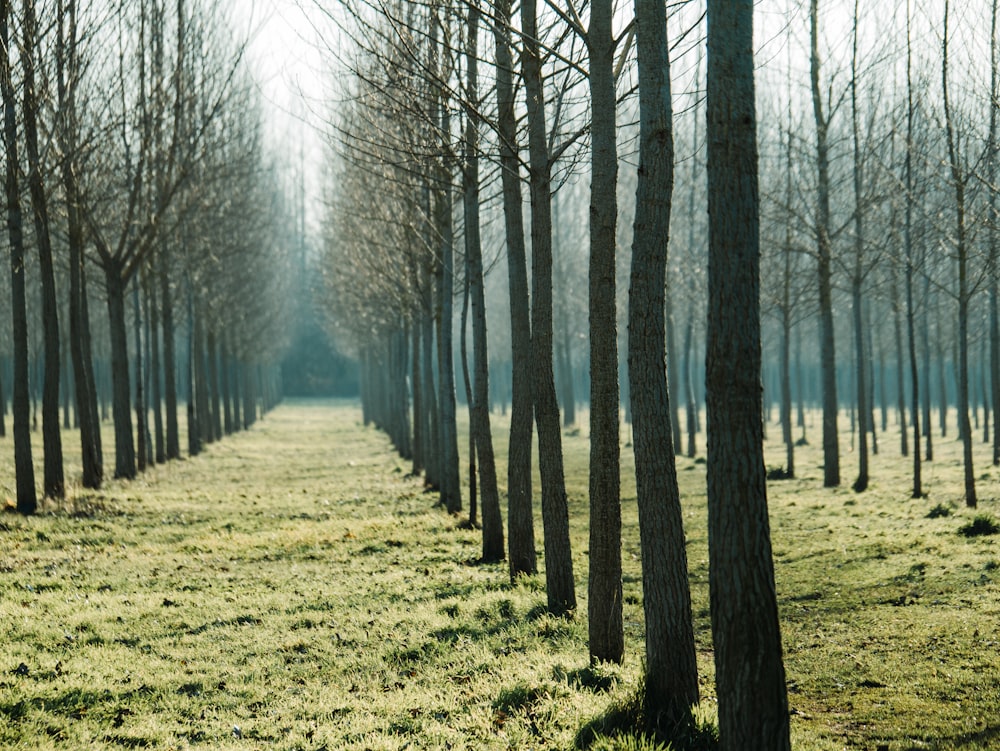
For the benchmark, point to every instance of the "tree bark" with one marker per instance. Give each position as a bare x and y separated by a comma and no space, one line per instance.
828,356
958,184
493,542
671,685
521,553
121,398
27,499
750,675
604,602
555,512
54,482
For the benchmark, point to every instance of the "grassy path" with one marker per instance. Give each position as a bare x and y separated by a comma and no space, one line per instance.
291,588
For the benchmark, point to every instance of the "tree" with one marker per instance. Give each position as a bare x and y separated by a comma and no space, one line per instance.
959,178
828,361
27,501
67,81
493,543
671,685
520,525
750,675
604,604
555,512
54,483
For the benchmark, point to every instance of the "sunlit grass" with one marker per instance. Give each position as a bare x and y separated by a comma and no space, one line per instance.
293,588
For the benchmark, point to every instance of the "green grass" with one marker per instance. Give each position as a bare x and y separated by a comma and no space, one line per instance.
293,588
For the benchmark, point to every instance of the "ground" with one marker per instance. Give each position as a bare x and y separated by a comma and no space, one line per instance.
294,588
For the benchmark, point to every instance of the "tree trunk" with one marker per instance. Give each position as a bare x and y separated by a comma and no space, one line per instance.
604,603
54,481
213,382
750,676
121,398
671,682
169,356
908,249
555,512
467,378
27,499
690,404
964,293
155,368
416,382
828,355
520,523
994,242
140,394
493,542
673,366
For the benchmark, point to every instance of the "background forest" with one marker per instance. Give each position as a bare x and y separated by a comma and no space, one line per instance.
511,215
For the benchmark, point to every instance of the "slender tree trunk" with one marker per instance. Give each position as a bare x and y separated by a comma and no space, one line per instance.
469,398
225,378
155,368
140,394
964,293
994,242
673,366
555,512
54,481
121,399
27,499
493,542
520,524
671,684
828,356
690,403
419,440
169,355
213,382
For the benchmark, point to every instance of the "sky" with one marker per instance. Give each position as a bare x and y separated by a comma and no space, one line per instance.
286,57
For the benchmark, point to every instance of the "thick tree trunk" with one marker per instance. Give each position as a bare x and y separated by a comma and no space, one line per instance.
750,675
520,523
555,511
604,602
671,682
27,499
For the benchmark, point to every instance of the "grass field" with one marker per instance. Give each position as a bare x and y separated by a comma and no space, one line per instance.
292,588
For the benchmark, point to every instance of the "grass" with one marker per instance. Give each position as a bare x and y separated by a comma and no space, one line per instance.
293,588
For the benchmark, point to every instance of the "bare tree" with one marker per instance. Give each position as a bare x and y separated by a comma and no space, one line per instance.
750,675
